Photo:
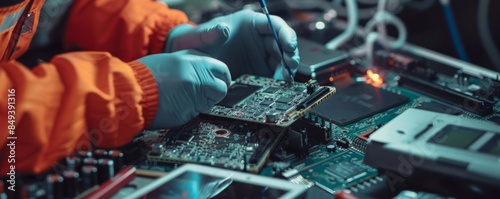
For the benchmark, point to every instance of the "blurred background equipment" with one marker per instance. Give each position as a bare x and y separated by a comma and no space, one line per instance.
460,29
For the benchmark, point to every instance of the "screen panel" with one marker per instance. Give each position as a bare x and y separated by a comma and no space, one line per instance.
456,136
193,185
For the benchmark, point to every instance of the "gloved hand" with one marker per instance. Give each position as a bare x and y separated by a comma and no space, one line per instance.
187,84
242,40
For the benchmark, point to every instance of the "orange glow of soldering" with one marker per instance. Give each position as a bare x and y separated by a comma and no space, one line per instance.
374,78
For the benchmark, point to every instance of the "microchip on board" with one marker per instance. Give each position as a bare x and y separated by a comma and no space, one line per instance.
355,102
236,93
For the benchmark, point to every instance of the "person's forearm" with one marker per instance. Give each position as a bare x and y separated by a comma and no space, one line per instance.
76,101
127,29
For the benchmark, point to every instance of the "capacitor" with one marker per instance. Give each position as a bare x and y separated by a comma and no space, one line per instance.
105,170
100,153
311,86
157,148
343,142
84,154
71,188
88,177
89,161
117,157
331,148
73,162
271,117
54,186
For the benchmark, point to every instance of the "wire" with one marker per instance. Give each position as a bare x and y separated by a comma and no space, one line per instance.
352,12
369,46
379,20
381,26
266,12
455,36
388,18
485,34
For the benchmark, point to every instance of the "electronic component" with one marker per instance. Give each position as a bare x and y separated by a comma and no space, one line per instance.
271,90
270,101
331,170
88,177
237,93
462,100
449,145
320,63
439,108
316,131
69,178
100,153
331,148
361,140
355,102
105,170
462,85
84,154
347,171
227,143
71,181
343,142
364,136
55,187
405,64
298,141
117,157
271,117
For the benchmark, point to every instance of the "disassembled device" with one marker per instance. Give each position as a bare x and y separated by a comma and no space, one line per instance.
229,144
270,101
454,146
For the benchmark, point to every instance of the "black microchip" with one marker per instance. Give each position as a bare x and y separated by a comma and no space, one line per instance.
355,102
299,89
236,93
282,107
348,171
271,90
284,100
439,108
266,102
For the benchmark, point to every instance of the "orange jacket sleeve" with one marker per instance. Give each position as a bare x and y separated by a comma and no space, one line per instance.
75,101
128,29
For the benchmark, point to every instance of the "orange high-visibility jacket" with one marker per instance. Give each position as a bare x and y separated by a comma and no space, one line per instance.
78,99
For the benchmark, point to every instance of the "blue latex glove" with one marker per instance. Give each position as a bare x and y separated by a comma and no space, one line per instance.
242,40
187,84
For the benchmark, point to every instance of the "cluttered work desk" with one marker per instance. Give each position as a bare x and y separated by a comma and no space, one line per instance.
404,122
371,114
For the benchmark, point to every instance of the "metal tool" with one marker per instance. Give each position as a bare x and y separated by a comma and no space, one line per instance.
264,9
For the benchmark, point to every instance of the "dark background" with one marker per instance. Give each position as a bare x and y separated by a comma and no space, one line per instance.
428,29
